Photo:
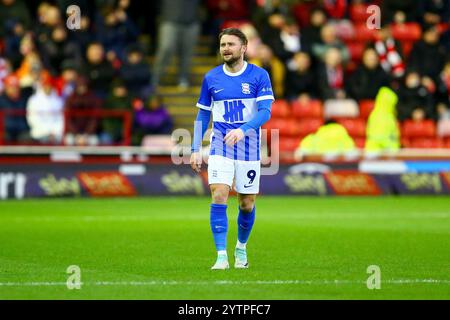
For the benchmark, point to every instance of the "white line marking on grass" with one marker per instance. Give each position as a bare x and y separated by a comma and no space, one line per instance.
304,216
223,282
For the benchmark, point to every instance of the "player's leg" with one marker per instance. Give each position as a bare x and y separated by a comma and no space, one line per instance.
247,186
188,43
167,41
246,219
220,178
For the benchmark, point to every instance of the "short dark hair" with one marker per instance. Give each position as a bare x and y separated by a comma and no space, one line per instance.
234,32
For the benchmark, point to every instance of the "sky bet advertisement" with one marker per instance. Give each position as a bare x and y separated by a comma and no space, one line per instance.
317,179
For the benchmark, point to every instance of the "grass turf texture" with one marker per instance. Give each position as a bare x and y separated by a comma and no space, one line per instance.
162,248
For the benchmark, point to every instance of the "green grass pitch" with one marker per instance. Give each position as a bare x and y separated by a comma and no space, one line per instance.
162,248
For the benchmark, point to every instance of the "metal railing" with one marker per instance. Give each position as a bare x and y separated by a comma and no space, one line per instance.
125,115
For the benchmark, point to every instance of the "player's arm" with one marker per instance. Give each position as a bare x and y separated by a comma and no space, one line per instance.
261,117
200,126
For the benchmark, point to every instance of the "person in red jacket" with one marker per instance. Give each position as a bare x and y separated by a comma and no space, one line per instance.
82,130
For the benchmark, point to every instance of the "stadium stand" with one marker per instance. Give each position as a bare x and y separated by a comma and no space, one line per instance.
24,55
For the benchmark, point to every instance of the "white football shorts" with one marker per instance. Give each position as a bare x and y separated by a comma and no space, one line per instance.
244,173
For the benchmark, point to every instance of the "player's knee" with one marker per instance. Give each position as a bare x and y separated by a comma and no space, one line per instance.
246,205
219,195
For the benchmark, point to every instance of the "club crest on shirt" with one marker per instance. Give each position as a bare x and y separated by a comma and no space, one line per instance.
245,88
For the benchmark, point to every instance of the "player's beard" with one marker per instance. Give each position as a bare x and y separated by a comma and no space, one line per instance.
231,62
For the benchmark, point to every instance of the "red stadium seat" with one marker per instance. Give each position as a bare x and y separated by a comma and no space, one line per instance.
418,129
364,34
301,13
280,109
307,126
359,142
289,144
358,12
405,142
286,127
274,123
293,127
365,108
356,50
426,143
311,109
407,47
409,31
355,127
234,23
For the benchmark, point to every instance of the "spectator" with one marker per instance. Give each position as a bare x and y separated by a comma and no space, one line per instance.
221,11
336,9
98,70
270,29
432,12
382,127
118,99
399,11
151,118
65,83
228,10
136,73
49,19
30,67
300,78
84,36
178,32
253,40
15,126
265,59
389,52
14,32
115,31
311,33
286,41
337,12
331,76
262,10
13,11
330,40
5,70
427,55
414,100
82,130
443,92
59,48
45,112
368,78
331,138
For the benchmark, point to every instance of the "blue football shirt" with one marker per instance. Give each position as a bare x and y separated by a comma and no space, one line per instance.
232,98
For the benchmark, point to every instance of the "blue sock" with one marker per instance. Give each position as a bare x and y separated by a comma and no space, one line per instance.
219,225
245,224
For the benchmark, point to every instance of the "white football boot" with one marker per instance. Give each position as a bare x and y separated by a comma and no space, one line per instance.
221,263
240,256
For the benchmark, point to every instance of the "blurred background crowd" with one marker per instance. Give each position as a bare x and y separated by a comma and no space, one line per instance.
327,60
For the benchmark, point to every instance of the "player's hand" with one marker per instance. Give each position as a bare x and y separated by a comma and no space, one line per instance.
196,161
234,136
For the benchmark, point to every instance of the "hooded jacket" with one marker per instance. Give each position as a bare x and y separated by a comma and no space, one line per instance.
382,129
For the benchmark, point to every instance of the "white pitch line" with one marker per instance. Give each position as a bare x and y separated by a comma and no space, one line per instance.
223,282
138,218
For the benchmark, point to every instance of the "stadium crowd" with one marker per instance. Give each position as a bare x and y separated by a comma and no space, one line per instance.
47,70
321,56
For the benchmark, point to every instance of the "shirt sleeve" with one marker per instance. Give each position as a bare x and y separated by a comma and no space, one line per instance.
205,100
265,91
